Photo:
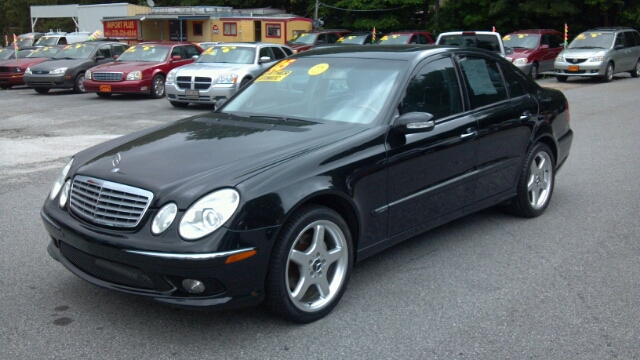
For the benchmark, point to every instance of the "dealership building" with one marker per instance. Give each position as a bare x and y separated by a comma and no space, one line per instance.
134,23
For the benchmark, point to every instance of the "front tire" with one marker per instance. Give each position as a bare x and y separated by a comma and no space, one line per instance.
6,86
310,265
535,184
608,73
561,78
534,71
78,85
157,87
636,71
40,90
179,104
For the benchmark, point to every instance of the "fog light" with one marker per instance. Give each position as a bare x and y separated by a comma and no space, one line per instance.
144,88
193,286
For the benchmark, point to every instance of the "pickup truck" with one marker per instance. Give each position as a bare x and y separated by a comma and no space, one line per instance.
487,40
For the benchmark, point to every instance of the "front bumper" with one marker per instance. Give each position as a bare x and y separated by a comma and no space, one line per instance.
93,254
582,69
119,87
211,95
11,79
526,68
49,81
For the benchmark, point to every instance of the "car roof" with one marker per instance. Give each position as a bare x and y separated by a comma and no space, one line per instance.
470,32
249,44
166,43
409,32
386,52
535,31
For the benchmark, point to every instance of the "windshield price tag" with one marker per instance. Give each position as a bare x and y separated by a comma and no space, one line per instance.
273,76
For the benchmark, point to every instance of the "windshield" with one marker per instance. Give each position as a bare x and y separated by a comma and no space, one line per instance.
394,39
228,55
145,53
304,39
487,42
6,54
353,39
76,51
333,89
592,41
24,41
521,41
47,40
44,52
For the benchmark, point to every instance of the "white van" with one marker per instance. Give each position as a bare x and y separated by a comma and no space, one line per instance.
62,38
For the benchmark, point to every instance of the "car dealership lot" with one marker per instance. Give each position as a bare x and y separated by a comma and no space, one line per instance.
564,285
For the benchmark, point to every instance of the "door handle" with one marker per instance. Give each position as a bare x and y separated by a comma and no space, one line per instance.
470,132
525,115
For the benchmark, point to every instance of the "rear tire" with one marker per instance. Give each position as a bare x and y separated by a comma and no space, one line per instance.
40,90
561,78
104,95
310,265
179,104
157,87
536,183
636,71
6,87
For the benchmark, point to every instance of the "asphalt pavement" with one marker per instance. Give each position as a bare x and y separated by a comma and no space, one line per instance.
565,285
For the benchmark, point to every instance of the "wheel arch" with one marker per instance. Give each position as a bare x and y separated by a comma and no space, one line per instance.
548,140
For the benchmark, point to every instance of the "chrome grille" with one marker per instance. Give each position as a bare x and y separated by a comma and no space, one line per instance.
108,203
575,61
107,76
183,82
40,72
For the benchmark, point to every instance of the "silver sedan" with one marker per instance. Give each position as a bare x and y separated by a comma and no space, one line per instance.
221,71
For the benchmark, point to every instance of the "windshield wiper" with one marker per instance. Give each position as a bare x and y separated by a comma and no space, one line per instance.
63,58
282,118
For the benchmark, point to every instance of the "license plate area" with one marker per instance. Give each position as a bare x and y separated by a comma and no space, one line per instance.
192,94
574,68
105,88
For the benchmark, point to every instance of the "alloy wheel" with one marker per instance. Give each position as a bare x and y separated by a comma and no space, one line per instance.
540,181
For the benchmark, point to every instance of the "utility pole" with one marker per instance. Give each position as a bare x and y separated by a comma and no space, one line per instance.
315,15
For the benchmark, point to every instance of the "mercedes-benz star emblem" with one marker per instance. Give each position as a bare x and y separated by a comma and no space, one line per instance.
116,160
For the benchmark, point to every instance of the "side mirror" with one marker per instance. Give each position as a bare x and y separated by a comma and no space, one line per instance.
100,57
414,122
176,58
545,46
265,59
195,57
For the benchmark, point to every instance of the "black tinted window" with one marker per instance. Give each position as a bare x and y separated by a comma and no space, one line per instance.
105,51
191,51
514,87
554,41
265,51
434,90
119,49
637,36
484,81
288,51
629,40
333,38
277,52
177,51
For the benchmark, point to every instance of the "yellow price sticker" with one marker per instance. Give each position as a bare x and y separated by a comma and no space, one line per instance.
522,36
209,51
78,46
67,47
273,76
282,64
507,37
131,49
318,69
384,38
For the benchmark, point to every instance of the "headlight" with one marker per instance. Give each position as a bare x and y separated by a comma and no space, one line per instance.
59,71
164,218
596,59
58,184
134,75
87,75
64,194
171,76
560,58
227,79
16,70
520,61
208,214
28,71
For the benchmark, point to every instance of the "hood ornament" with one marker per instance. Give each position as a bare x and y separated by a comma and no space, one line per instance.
115,162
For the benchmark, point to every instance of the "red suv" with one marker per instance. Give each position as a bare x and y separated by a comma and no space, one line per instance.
534,51
307,40
140,69
407,37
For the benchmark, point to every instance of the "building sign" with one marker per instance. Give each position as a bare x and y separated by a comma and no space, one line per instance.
121,29
215,29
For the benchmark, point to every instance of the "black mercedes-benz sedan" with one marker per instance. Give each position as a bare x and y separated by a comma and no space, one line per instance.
325,159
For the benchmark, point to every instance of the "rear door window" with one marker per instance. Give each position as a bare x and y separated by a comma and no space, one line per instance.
484,81
191,51
105,51
278,53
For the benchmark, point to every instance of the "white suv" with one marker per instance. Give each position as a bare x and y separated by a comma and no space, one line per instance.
487,40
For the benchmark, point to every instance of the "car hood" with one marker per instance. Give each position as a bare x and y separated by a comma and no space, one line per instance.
23,63
56,64
126,66
581,53
198,68
196,155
